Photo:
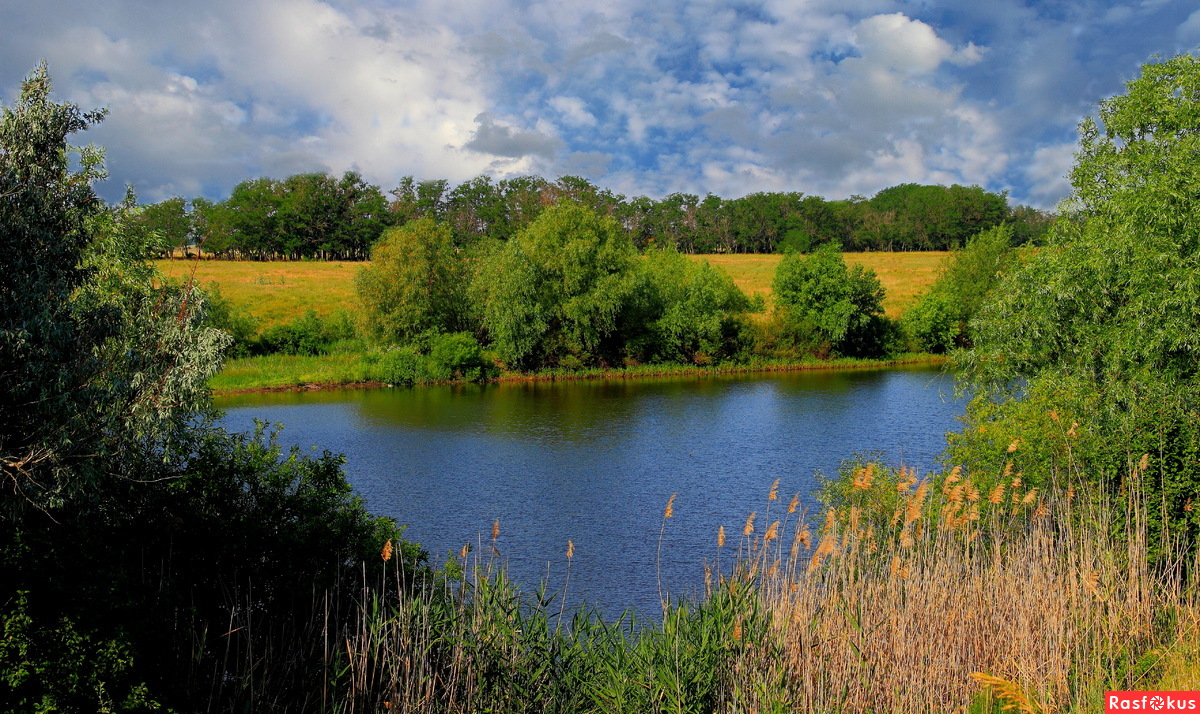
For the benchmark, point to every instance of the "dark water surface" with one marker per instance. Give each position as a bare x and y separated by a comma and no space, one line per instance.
595,462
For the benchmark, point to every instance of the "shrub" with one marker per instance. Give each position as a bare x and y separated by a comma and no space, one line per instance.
416,282
822,301
683,311
400,365
940,319
457,356
233,320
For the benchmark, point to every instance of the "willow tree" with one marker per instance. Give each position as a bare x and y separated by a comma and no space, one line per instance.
1101,329
553,294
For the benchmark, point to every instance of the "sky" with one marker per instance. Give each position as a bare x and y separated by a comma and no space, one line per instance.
826,97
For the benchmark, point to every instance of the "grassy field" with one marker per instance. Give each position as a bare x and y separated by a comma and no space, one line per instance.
273,292
904,275
278,292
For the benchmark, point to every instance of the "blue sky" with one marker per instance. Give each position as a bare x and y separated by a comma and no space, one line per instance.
645,98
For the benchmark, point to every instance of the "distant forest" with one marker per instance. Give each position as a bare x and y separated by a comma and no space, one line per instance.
318,216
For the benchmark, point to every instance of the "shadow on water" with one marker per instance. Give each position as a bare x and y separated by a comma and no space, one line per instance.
594,462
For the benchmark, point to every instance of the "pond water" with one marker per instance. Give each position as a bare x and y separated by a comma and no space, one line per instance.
595,463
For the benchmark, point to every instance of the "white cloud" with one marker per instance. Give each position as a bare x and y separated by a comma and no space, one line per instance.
1189,31
1047,173
821,96
573,111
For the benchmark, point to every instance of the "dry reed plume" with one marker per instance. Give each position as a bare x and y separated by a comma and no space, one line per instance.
1035,601
911,595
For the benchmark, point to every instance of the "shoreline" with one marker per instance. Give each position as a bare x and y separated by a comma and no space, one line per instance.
618,374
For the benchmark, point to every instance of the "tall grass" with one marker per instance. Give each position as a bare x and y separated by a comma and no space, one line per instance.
934,595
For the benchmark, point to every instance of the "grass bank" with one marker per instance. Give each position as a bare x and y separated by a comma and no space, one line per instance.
302,372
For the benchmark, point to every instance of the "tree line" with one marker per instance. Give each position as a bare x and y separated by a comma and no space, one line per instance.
317,216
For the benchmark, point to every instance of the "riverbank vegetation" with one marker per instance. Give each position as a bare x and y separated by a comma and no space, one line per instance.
150,561
570,294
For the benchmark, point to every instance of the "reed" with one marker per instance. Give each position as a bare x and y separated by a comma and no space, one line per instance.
901,594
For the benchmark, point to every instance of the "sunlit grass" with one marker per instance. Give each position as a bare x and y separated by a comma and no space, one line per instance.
904,275
273,292
284,371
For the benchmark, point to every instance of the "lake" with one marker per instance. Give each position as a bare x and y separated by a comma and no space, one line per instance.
595,462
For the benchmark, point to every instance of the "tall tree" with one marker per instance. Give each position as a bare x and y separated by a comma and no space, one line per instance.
98,358
1102,325
553,294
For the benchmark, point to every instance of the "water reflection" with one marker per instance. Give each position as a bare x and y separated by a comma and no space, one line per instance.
595,462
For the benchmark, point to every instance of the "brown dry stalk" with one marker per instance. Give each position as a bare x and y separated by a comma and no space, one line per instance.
670,511
774,494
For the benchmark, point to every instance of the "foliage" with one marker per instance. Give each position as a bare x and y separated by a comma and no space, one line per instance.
58,668
940,318
309,334
317,216
416,282
170,220
820,296
130,529
1100,326
684,311
99,360
232,319
553,295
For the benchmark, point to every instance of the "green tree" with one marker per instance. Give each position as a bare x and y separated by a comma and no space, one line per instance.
940,319
170,220
415,283
1102,325
553,295
98,359
820,296
110,465
685,311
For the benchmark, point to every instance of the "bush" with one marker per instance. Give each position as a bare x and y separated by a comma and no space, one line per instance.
457,356
940,319
310,334
231,319
416,282
823,302
400,365
683,311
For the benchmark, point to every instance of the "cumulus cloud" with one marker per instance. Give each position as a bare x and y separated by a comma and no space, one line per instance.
823,97
1047,173
510,142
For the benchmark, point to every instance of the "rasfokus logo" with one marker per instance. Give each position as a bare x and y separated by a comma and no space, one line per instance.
1151,701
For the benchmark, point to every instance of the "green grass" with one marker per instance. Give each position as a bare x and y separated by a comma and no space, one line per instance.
271,372
290,371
